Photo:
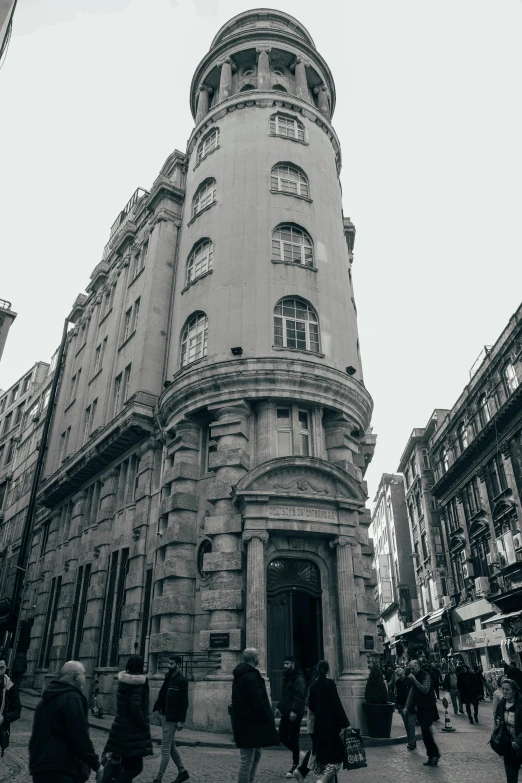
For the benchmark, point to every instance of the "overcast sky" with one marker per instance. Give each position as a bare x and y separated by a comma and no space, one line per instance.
94,97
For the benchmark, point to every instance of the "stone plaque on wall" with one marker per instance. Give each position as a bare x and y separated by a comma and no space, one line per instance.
306,513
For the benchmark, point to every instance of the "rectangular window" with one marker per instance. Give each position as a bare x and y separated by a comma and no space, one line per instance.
3,487
74,614
127,324
10,451
146,611
109,604
7,422
284,432
424,544
497,476
136,317
14,394
62,446
20,412
50,620
119,602
27,383
72,390
2,449
93,415
97,359
304,433
426,459
126,383
45,538
117,394
86,423
3,403
46,397
83,605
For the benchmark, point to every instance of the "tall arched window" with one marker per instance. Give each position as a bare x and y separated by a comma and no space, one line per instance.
208,144
205,196
510,378
194,339
483,410
289,179
296,325
287,126
292,245
200,260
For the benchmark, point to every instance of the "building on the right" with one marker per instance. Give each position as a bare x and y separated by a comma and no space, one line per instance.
476,454
7,317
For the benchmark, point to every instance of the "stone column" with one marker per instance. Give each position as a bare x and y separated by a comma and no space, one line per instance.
256,594
203,102
301,82
324,100
263,69
225,84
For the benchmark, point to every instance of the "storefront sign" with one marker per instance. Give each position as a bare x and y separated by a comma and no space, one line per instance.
219,641
483,638
302,512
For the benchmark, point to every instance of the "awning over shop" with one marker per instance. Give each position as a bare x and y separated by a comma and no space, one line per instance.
499,618
436,617
413,627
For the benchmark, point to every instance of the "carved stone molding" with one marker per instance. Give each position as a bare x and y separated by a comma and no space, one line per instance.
262,535
342,541
506,449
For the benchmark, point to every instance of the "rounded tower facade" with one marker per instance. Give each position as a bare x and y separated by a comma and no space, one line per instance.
263,528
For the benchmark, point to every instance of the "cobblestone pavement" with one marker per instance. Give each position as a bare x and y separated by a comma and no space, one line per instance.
466,758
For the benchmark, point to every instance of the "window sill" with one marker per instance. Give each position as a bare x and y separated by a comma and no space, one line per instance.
289,138
298,350
190,364
135,277
200,161
292,195
126,341
79,350
199,277
295,263
201,212
107,314
98,373
70,405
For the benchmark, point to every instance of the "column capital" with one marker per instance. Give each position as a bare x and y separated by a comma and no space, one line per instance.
262,535
206,88
343,541
300,60
321,88
227,61
261,49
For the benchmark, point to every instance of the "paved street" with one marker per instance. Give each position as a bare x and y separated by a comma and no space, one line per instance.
466,758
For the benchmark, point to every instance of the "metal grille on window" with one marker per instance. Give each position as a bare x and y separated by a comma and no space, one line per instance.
194,339
292,245
287,179
286,126
296,326
208,144
200,260
205,195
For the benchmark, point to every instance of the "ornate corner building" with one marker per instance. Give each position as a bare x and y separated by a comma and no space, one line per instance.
204,489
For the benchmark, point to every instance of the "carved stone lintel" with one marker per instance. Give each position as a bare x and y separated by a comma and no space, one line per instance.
506,449
262,535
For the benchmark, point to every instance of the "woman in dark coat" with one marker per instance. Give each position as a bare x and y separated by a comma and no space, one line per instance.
330,719
479,676
468,691
509,712
129,736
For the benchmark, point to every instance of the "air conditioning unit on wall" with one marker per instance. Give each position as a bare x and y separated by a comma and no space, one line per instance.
493,558
468,570
482,585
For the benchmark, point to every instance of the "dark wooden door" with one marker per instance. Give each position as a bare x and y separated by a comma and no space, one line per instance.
280,642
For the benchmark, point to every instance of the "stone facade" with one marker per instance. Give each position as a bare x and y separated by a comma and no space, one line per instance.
211,491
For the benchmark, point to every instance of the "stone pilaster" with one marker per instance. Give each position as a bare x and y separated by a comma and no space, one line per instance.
324,100
174,589
225,83
263,68
256,617
301,82
203,102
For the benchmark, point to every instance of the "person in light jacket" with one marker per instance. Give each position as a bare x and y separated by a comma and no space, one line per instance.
451,685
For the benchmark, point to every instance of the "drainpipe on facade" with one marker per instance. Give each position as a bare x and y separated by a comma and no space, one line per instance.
27,532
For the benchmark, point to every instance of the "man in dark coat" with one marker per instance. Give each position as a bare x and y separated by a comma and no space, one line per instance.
291,707
514,673
252,717
10,707
60,747
172,705
468,690
402,688
422,698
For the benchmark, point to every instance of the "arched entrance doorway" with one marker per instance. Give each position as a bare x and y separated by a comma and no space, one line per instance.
294,617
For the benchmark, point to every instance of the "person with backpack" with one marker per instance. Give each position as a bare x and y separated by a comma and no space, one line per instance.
509,713
129,736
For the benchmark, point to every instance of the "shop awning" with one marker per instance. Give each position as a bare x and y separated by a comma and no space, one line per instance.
412,627
498,618
436,617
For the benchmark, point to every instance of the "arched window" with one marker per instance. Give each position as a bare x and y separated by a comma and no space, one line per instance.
205,196
208,144
483,410
289,179
296,325
510,378
287,126
292,245
200,260
194,339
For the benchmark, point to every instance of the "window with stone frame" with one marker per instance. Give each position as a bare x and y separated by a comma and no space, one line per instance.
479,550
293,433
286,178
472,502
458,575
200,259
205,196
292,245
296,325
208,144
287,126
510,378
194,339
497,477
462,436
484,411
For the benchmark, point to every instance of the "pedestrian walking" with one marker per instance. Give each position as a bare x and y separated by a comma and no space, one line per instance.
479,676
172,705
421,698
329,720
450,684
252,717
303,769
10,707
19,667
60,749
291,708
402,688
497,694
509,712
444,667
129,736
436,677
468,691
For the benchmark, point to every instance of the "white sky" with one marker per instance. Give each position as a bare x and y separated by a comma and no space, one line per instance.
94,97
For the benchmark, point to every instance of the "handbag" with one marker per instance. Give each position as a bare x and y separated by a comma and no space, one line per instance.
500,739
112,768
354,753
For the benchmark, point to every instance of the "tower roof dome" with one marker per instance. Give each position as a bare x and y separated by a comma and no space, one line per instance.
262,19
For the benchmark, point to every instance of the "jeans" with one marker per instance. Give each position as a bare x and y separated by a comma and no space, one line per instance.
475,708
132,767
409,721
249,759
168,748
289,736
425,720
455,700
55,777
512,764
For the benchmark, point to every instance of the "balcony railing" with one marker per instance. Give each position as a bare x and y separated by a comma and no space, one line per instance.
127,213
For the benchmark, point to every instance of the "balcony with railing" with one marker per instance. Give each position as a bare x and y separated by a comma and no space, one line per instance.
128,212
